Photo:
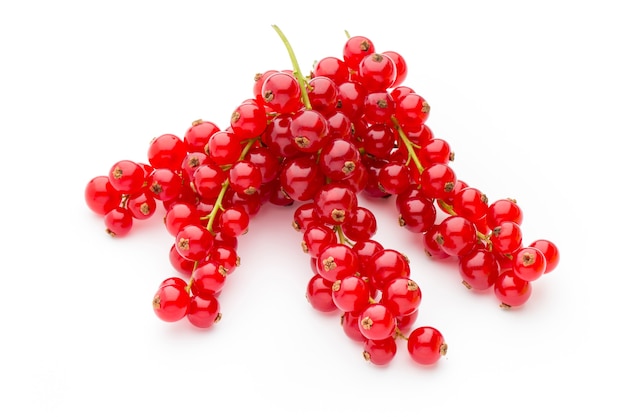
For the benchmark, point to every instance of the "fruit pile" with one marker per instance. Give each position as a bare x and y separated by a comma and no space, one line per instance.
319,142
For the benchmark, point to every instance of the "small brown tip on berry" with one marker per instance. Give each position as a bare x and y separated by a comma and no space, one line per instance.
412,285
268,96
235,116
443,349
504,306
448,187
302,141
367,323
117,173
484,198
197,122
439,239
466,284
528,258
336,285
257,76
348,167
338,215
365,46
367,356
296,226
329,264
401,221
183,244
425,107
156,302
305,248
218,318
110,232
451,157
250,191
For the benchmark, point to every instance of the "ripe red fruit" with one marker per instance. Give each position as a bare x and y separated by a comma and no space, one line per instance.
426,345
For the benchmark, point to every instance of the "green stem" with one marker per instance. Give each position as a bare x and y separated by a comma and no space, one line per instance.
408,145
220,197
296,68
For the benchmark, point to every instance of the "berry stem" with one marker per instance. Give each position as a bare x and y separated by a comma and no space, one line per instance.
296,68
218,202
408,144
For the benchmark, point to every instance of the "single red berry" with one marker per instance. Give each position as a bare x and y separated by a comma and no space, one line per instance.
142,205
350,325
198,134
510,290
337,261
377,322
193,242
456,235
319,294
333,68
426,345
180,264
506,237
380,352
248,120
208,278
529,263
234,221
401,67
401,295
355,49
118,222
377,72
170,302
550,252
479,269
504,210
203,311
351,293
362,226
335,203
100,196
167,151
281,93
127,177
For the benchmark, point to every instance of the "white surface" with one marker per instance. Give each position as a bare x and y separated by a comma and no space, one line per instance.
531,97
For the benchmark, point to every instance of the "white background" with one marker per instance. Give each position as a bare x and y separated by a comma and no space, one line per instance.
529,94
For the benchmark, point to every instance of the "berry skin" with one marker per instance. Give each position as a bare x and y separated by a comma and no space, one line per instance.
355,49
167,151
377,322
402,296
203,311
118,222
281,93
529,263
426,345
319,294
193,242
100,196
351,293
127,177
170,302
380,352
550,252
337,261
510,290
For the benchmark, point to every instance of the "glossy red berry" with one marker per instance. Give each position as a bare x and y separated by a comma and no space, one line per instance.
426,345
100,196
377,322
127,177
167,151
170,302
319,294
550,252
510,290
193,242
203,311
380,352
118,222
529,263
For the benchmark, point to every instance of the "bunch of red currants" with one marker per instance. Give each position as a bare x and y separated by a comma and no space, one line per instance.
318,142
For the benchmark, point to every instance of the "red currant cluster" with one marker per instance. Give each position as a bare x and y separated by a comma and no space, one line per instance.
350,127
